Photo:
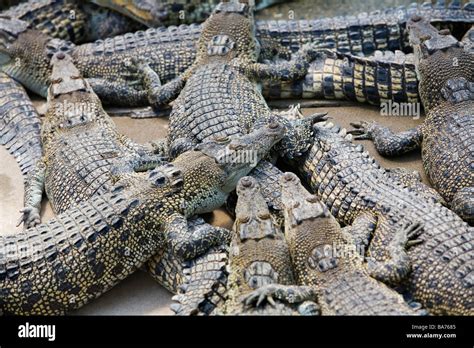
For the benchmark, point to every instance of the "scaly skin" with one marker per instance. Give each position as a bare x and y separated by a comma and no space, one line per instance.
378,79
26,55
258,256
63,264
227,51
168,12
170,51
83,155
325,258
82,147
445,68
355,189
77,21
19,125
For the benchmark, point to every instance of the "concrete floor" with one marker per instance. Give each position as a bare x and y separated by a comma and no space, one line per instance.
139,294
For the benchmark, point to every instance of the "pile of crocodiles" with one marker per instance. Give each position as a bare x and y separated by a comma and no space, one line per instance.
336,235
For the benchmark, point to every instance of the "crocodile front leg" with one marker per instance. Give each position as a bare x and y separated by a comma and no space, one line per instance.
34,187
389,262
387,142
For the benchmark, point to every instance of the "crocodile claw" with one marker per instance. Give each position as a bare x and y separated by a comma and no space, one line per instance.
412,232
259,296
30,217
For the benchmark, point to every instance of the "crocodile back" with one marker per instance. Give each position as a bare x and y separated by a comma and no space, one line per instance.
217,100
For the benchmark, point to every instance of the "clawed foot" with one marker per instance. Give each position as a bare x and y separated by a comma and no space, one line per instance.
30,217
412,231
362,130
258,296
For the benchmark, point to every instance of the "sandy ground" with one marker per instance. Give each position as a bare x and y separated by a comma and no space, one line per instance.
139,294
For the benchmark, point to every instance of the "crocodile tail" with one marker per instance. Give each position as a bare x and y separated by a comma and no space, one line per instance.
19,124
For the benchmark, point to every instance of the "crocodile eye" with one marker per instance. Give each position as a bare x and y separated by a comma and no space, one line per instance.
264,216
244,219
289,177
246,182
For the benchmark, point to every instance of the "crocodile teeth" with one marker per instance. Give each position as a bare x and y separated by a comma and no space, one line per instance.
343,132
348,137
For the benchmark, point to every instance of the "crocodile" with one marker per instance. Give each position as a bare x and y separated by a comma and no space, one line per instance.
356,189
379,79
215,282
364,33
445,136
169,51
326,259
217,97
154,13
77,21
60,265
259,255
84,156
25,55
291,268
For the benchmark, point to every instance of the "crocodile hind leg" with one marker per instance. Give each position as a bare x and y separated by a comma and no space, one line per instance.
112,92
288,293
388,261
34,187
188,244
387,142
167,269
283,70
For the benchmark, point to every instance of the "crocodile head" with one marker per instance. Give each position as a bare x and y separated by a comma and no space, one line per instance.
441,61
229,33
252,216
25,54
71,100
236,156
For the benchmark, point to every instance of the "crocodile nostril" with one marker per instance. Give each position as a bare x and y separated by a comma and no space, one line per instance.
61,55
246,182
444,32
416,18
264,216
312,199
